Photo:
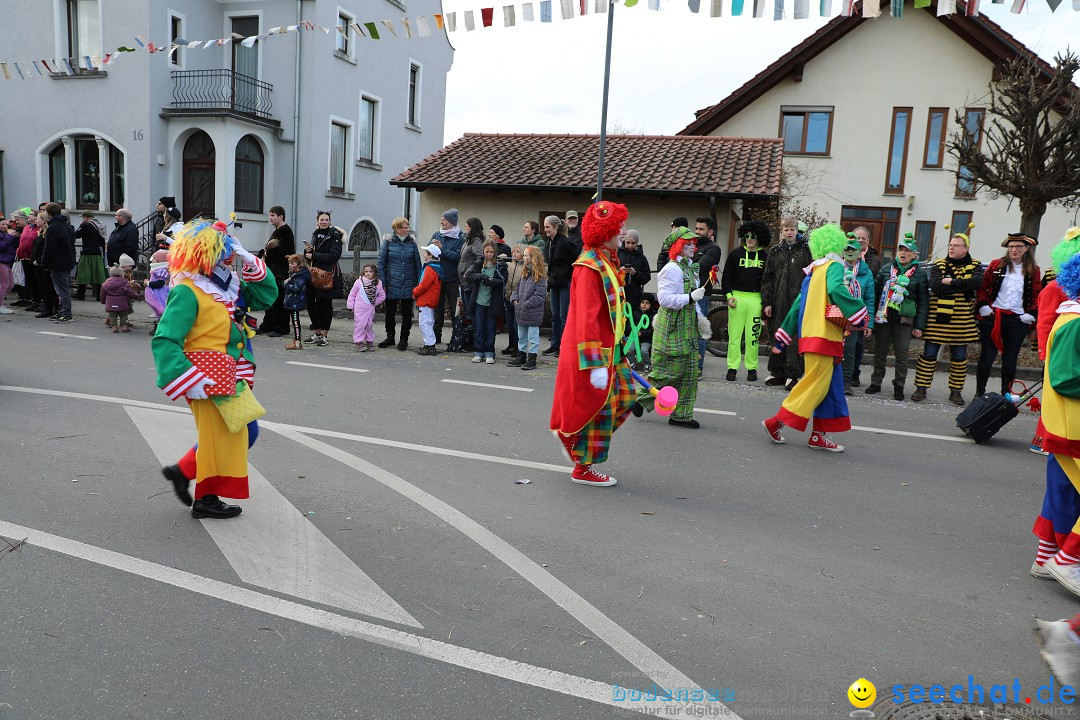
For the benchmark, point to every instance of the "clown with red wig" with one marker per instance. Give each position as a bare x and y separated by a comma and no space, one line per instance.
678,326
593,385
202,353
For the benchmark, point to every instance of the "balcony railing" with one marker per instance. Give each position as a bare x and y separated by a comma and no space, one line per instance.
202,91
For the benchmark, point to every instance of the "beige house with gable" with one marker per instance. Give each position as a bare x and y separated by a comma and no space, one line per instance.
865,108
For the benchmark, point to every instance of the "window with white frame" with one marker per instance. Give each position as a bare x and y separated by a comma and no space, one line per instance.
339,148
176,31
368,130
413,117
83,28
248,195
344,34
90,167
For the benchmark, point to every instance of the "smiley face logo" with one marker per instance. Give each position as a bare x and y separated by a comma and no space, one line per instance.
862,693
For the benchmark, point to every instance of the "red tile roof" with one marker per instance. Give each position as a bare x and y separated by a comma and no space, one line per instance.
982,34
634,164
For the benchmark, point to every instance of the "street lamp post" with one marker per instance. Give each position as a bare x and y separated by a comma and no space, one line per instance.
603,109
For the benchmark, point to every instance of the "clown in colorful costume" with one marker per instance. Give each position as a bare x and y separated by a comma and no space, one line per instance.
820,392
1058,525
593,385
678,326
202,315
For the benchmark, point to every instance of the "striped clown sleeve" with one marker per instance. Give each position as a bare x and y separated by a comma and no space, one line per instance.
254,271
859,318
176,389
783,339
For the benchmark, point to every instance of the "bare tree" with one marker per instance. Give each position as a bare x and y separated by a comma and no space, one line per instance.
795,182
1030,148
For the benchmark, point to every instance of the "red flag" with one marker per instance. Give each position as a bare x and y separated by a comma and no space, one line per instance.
485,14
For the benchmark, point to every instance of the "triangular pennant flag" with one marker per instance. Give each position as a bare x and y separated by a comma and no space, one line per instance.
919,4
717,9
998,2
778,10
407,24
527,12
601,6
694,5
140,40
451,22
971,7
654,4
291,28
826,8
37,67
237,36
508,16
274,30
584,6
871,9
438,20
249,41
1017,7
19,70
68,67
896,8
96,59
109,58
87,63
28,69
49,66
759,8
470,21
486,15
373,32
631,3
946,7
567,7
124,48
422,26
1052,3
802,9
1076,5
545,10
325,30
358,30
4,70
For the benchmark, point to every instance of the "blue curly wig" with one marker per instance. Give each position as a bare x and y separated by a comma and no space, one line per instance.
1069,277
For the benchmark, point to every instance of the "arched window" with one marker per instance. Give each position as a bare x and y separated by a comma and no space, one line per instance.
249,176
364,237
199,170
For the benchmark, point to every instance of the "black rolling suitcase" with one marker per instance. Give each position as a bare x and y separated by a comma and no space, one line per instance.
989,413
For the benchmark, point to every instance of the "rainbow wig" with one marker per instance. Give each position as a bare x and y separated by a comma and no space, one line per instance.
827,239
1069,277
601,222
199,246
1069,246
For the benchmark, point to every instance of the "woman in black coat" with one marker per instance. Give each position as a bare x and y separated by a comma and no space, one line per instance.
560,266
323,252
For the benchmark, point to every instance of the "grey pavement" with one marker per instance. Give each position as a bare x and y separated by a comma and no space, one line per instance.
776,574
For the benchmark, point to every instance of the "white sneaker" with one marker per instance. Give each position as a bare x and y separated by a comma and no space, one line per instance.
477,358
6,310
1040,572
1067,575
489,361
1060,648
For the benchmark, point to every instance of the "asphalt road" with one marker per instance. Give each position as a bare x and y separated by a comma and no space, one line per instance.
775,574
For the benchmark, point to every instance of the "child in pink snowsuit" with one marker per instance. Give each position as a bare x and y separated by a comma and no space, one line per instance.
365,295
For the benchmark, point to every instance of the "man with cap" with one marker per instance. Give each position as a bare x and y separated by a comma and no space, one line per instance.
450,240
860,279
124,240
662,259
161,219
902,307
573,231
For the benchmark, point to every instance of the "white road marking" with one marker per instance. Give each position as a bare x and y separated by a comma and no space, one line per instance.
516,462
272,545
884,431
79,337
714,412
635,651
544,678
325,367
487,385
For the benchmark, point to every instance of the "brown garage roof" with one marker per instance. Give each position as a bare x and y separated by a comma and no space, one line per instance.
634,164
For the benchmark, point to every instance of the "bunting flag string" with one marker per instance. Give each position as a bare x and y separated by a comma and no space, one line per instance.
420,26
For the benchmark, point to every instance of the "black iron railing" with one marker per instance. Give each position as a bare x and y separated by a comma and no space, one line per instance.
221,90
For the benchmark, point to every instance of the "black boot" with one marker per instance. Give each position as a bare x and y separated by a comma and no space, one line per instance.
517,361
211,506
981,377
180,483
530,362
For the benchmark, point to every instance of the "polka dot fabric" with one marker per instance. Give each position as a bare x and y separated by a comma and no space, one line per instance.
219,367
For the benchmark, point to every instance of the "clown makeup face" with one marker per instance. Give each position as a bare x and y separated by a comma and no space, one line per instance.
957,247
1016,251
613,242
688,249
852,254
323,221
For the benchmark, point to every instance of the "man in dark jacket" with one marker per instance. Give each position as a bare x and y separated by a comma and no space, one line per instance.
282,243
636,267
903,306
573,231
560,268
450,240
124,240
58,257
780,286
662,258
707,255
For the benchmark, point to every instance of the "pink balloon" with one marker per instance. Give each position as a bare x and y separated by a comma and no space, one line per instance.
667,398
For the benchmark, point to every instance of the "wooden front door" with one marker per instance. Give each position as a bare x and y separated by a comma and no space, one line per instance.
882,222
200,168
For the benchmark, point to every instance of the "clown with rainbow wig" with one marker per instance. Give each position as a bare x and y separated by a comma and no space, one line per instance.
202,351
1058,525
593,385
813,322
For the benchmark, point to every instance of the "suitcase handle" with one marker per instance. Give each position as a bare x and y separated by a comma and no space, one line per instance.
1029,392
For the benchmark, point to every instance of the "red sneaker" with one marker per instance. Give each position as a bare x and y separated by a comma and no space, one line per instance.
772,426
586,475
821,441
566,444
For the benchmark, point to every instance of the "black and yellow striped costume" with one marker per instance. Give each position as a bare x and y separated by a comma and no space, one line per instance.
952,316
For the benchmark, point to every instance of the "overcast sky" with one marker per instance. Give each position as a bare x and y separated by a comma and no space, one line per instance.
548,77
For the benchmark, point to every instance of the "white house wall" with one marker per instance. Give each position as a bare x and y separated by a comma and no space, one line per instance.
880,65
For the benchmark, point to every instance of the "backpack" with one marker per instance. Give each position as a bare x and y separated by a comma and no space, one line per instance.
461,337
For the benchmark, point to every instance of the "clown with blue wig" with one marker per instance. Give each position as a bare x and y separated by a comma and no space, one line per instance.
202,353
1058,525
